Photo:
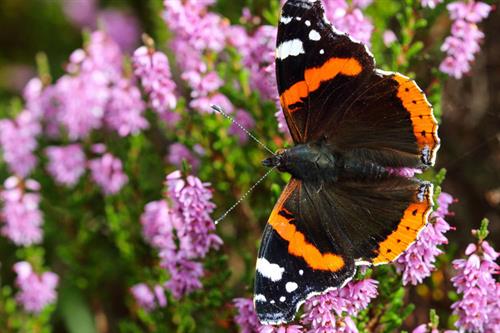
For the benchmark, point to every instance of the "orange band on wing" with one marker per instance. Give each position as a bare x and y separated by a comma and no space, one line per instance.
424,124
414,219
314,76
298,245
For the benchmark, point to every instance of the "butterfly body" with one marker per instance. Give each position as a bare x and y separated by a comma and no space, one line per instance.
352,126
319,162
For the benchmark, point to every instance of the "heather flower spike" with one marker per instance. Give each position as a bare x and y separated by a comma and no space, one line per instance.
476,283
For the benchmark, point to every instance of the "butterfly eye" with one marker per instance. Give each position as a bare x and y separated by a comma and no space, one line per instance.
280,151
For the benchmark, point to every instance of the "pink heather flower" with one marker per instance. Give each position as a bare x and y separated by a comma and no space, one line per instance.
193,236
18,142
153,69
430,3
389,37
122,27
475,280
66,164
158,225
107,172
244,119
350,19
258,58
465,38
417,262
20,213
125,109
81,13
177,153
43,103
332,310
192,201
149,299
185,275
246,318
35,291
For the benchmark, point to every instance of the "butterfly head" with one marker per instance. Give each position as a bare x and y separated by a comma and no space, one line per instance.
277,160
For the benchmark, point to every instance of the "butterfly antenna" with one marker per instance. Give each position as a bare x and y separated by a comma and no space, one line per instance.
219,109
243,196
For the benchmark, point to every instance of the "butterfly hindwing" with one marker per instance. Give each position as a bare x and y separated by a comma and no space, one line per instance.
296,259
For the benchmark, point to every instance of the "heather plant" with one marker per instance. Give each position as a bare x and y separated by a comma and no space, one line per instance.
114,171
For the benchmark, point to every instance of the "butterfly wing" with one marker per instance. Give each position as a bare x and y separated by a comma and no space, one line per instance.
316,230
329,89
296,258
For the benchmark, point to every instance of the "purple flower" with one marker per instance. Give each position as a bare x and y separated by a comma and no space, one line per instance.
20,211
66,164
403,172
477,310
193,236
246,318
330,312
192,201
82,13
122,27
107,172
185,275
148,299
35,291
430,3
417,262
244,119
177,153
463,43
153,69
125,109
18,142
389,37
158,225
350,19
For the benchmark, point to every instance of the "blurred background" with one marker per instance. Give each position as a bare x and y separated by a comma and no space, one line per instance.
470,130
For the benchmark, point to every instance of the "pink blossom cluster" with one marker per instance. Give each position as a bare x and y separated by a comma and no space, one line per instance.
417,262
465,38
477,283
66,164
35,291
177,153
107,172
120,24
153,70
18,142
197,33
430,3
182,233
349,18
149,298
20,213
330,312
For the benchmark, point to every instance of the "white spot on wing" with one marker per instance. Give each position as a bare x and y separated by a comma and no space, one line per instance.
282,298
286,19
308,23
291,286
289,48
298,18
272,301
321,51
260,298
269,270
301,272
314,35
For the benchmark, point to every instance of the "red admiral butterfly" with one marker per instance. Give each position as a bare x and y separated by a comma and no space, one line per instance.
351,124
